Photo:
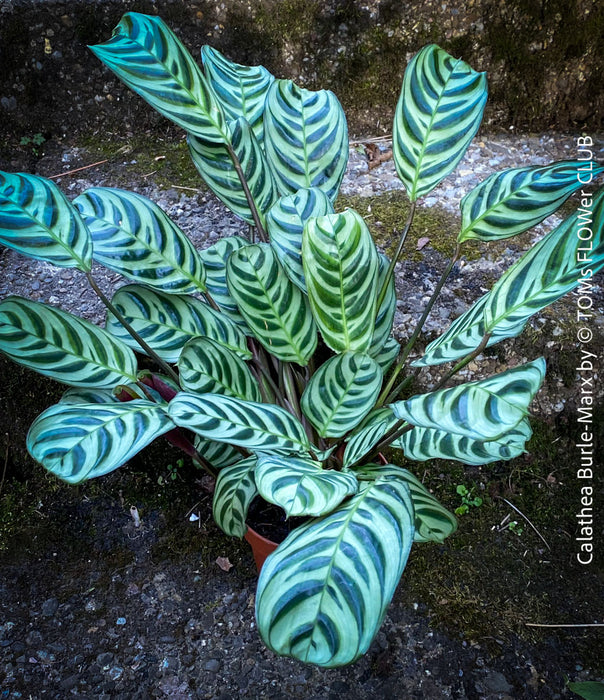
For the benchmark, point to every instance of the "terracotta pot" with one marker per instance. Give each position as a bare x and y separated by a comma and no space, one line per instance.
261,547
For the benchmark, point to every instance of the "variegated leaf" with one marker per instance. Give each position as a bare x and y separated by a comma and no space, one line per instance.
254,426
285,223
341,393
89,395
206,367
341,270
421,444
388,354
134,237
241,89
437,115
167,321
368,435
512,201
385,314
483,410
273,307
235,490
146,54
433,522
37,220
323,593
305,138
219,454
301,486
60,345
81,441
215,166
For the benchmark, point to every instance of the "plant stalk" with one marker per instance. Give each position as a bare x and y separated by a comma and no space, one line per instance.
465,361
248,195
144,345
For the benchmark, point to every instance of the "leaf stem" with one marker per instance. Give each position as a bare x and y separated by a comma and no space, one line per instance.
248,195
399,248
144,345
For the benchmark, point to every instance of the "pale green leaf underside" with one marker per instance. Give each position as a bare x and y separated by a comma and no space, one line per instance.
146,54
168,321
437,115
341,393
323,593
206,367
300,486
254,426
134,237
235,490
273,307
341,270
82,441
37,220
305,138
512,201
60,345
483,410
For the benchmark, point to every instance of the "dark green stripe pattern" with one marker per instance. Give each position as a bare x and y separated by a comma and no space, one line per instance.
38,221
323,593
368,435
512,201
235,490
341,270
150,59
217,453
168,321
305,138
483,410
273,307
134,237
437,115
385,314
341,393
241,90
301,486
254,426
60,345
81,441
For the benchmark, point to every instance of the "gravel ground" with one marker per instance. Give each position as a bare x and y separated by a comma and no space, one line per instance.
118,612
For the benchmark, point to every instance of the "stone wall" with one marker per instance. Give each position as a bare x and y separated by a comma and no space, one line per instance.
544,58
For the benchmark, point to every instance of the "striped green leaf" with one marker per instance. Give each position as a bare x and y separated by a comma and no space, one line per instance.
300,486
433,522
168,321
214,260
88,395
235,490
483,410
146,54
341,270
215,166
205,366
388,354
566,258
323,593
285,223
241,90
134,237
421,444
60,345
512,201
368,435
37,220
81,441
254,426
305,138
341,393
218,454
385,314
437,115
273,307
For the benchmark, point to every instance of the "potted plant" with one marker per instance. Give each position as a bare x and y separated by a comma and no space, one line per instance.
275,367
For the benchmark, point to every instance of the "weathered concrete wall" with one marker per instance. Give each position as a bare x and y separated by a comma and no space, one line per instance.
544,58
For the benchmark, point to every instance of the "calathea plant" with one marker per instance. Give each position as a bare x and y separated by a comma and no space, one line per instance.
275,365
